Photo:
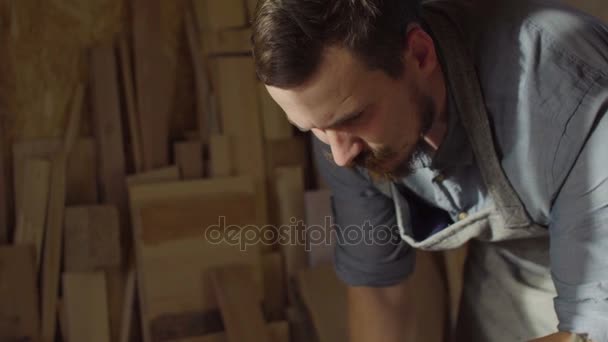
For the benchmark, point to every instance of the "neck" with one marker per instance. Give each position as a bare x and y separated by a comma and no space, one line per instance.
435,135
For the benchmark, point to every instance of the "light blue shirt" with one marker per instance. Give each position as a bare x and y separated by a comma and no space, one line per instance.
543,71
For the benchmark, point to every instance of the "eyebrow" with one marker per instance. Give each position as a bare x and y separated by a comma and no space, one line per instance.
337,122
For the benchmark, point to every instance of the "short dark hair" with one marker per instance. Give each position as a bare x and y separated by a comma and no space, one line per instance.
289,36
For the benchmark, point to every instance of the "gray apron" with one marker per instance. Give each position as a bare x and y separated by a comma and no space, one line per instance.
508,292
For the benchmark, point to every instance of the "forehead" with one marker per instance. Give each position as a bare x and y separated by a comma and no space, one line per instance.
334,88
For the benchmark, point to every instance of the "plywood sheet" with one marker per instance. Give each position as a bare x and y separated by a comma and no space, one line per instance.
19,318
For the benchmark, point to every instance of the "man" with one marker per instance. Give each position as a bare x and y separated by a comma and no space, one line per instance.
447,122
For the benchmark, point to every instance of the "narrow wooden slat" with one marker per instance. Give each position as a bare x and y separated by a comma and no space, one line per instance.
170,173
154,83
51,263
455,260
189,158
290,195
243,317
4,195
86,306
129,95
31,219
19,318
201,82
220,155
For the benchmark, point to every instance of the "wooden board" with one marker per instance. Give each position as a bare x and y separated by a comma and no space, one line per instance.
19,319
129,97
85,307
31,219
319,227
154,83
454,260
290,194
325,298
220,155
81,171
51,263
189,158
171,235
92,240
227,41
241,312
170,173
108,129
276,126
201,81
239,108
214,15
275,291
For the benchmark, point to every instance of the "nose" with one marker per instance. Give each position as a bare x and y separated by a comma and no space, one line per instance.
344,146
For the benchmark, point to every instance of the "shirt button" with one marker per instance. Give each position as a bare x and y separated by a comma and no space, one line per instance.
462,216
440,177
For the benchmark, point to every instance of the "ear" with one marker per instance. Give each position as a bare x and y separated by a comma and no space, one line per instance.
420,53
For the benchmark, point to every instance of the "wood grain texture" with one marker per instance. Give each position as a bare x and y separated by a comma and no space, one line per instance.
51,263
31,219
19,317
92,238
241,312
85,305
171,235
154,83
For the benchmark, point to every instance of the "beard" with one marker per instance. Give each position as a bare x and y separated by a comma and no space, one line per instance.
387,163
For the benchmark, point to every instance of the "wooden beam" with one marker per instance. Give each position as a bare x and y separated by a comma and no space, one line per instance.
19,319
220,155
31,219
189,158
92,240
154,83
242,314
86,307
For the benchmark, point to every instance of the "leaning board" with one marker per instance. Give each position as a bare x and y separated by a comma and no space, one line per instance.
170,221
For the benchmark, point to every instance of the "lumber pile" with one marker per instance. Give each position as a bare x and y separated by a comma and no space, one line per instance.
132,231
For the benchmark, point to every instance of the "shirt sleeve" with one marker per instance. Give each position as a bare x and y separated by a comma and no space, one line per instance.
369,250
579,241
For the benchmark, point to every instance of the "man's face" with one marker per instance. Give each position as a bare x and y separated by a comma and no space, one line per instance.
368,118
